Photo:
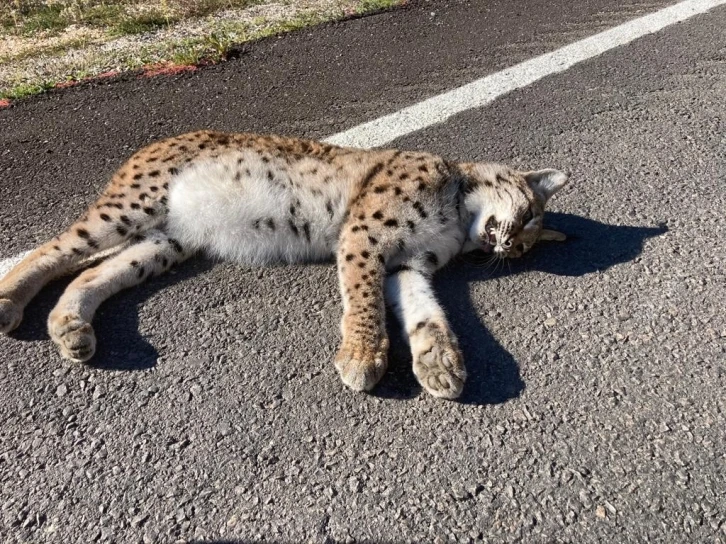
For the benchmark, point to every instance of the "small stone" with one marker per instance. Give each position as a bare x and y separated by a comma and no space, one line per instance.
600,512
61,390
551,322
196,391
139,519
97,392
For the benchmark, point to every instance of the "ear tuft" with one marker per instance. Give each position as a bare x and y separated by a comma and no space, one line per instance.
546,182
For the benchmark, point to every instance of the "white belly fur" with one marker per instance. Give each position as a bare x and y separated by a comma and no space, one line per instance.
248,219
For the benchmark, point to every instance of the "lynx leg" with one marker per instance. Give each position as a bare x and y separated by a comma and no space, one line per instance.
69,324
362,358
437,361
105,225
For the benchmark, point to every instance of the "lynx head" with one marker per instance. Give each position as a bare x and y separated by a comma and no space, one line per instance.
507,207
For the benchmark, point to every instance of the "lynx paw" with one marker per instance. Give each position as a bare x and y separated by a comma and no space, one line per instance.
361,368
439,367
74,337
10,315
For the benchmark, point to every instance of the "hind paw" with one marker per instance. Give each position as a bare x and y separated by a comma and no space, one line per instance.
10,315
75,338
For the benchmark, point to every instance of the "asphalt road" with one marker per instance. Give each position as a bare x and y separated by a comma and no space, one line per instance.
594,410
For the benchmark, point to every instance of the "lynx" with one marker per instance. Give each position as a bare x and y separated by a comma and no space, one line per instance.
390,218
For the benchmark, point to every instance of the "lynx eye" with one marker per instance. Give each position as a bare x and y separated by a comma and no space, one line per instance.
527,216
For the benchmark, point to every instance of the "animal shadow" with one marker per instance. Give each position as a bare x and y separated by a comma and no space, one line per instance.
116,322
493,374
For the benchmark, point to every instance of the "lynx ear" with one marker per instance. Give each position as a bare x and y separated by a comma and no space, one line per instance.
553,235
546,182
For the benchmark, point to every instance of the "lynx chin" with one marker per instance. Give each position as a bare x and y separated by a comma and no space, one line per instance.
390,218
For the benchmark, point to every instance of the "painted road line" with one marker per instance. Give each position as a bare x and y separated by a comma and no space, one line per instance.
483,91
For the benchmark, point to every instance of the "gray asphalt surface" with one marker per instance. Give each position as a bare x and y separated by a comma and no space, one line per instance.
594,410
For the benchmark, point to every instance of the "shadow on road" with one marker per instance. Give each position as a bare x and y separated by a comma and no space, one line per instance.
493,373
120,346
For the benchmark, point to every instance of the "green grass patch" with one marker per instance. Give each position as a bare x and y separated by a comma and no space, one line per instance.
366,6
139,24
24,90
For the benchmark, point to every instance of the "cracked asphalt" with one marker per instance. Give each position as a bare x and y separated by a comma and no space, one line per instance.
594,409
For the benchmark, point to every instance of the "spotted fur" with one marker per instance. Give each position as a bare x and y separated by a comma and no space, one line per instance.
390,217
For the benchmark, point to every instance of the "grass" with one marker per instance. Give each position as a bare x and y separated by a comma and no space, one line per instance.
114,18
26,17
24,90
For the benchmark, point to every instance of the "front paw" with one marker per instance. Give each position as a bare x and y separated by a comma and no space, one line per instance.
362,366
73,336
438,363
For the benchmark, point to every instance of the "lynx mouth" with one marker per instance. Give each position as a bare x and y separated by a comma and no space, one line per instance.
489,242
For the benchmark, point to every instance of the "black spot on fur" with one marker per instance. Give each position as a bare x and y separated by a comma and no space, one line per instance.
270,175
329,208
140,273
154,174
432,258
423,169
293,227
420,209
105,217
256,224
373,172
153,188
176,245
365,254
355,228
138,176
134,185
306,231
378,215
135,206
292,210
202,146
403,176
381,189
122,230
149,211
118,206
411,225
134,264
349,257
125,220
390,223
270,223
143,196
372,241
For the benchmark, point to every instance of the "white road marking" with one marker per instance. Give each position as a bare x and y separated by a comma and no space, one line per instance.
483,91
7,264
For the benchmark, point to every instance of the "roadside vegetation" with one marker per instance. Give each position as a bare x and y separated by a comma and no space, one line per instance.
50,43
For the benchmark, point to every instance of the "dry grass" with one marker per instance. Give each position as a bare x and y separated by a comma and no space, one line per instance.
47,42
